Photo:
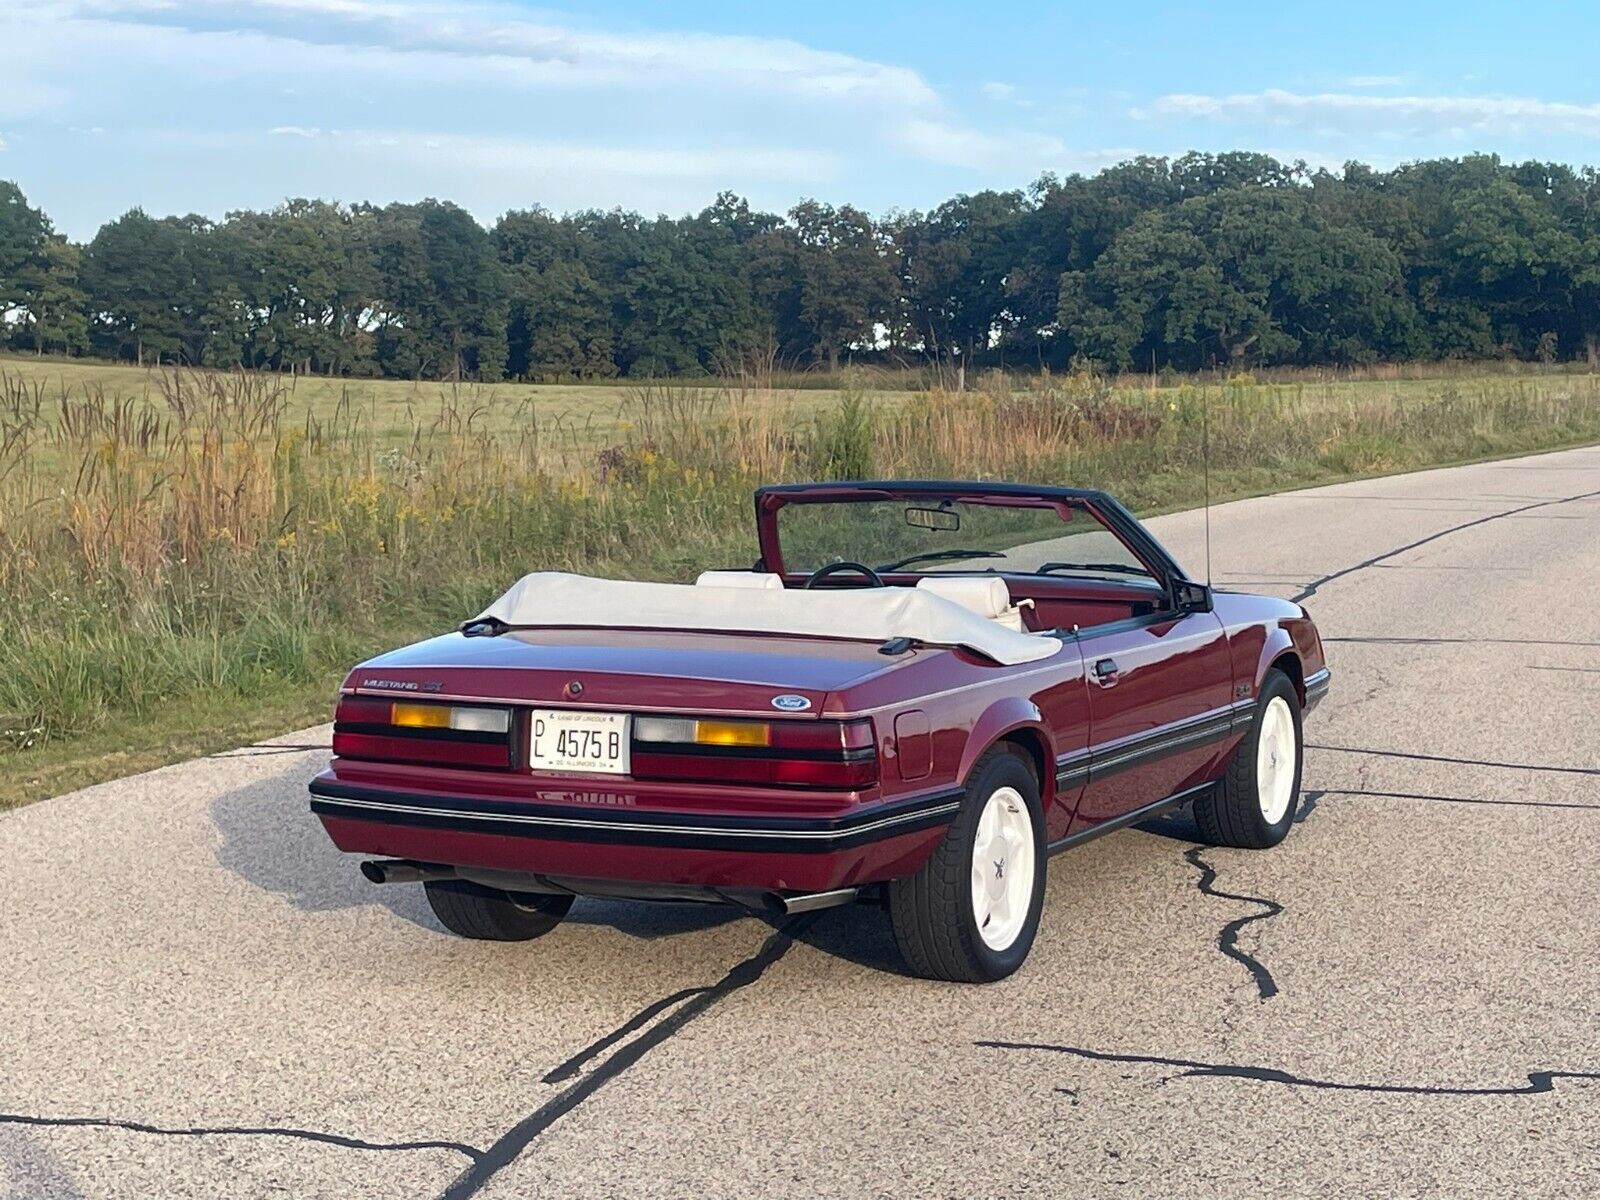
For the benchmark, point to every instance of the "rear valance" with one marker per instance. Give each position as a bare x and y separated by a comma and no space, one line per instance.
548,599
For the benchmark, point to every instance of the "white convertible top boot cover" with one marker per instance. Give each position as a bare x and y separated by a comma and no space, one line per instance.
553,598
760,580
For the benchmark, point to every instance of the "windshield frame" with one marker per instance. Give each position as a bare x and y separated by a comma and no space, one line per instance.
1099,506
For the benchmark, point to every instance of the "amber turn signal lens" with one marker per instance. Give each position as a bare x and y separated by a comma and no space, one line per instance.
469,719
732,733
421,716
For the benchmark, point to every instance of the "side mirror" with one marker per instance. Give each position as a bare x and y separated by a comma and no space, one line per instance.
1188,596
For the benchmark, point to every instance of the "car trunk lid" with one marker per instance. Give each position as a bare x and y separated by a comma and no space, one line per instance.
633,670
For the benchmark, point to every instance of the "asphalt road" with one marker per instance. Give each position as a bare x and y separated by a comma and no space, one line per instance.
199,996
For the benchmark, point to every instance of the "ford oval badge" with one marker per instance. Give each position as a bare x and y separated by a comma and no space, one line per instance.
791,703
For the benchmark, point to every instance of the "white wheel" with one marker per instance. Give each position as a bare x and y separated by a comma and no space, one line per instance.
1275,761
969,914
1253,803
1002,868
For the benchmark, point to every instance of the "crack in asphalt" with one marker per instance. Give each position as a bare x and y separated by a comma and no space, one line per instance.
1316,584
307,1135
1454,799
1444,758
264,751
1228,938
1454,641
1539,1082
685,1005
510,1145
486,1163
566,1070
1448,567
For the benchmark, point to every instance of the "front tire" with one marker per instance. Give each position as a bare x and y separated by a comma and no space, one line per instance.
971,913
471,910
1254,804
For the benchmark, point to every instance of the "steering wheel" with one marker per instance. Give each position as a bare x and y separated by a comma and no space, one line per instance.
821,573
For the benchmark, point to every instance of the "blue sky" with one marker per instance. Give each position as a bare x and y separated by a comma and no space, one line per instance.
206,106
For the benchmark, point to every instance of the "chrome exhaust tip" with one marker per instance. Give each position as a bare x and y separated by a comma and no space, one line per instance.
812,901
399,870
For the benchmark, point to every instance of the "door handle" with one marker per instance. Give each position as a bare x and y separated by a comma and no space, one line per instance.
1106,672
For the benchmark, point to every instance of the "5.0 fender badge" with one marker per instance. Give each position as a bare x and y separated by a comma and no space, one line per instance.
789,702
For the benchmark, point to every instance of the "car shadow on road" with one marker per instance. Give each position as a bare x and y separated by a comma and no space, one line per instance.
270,839
1179,826
856,933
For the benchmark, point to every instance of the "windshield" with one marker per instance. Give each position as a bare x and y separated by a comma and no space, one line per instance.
929,536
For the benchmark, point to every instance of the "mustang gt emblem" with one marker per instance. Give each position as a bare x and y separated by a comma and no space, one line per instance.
789,702
403,685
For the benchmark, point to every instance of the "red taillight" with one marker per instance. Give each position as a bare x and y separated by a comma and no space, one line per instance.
820,754
436,735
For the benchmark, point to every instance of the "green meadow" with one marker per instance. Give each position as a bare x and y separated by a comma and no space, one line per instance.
190,559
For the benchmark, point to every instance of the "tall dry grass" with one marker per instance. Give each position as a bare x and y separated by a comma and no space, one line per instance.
209,537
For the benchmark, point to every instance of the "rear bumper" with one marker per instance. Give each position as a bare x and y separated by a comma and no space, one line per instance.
1317,684
803,853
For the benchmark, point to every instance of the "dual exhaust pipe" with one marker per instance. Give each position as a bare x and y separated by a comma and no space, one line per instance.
401,870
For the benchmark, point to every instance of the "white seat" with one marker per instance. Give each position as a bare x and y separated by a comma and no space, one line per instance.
986,596
764,580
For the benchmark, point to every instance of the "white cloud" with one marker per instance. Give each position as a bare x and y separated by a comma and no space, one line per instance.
216,105
499,37
532,159
1390,115
955,146
1005,93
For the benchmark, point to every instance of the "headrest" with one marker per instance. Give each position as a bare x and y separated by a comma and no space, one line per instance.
766,581
988,597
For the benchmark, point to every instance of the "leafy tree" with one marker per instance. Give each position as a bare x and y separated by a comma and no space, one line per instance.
954,265
1241,273
685,303
158,289
56,306
440,300
24,240
1196,174
828,279
304,280
41,304
1586,269
1069,225
1206,257
1511,262
560,315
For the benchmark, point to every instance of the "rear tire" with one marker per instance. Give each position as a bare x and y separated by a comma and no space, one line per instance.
1254,804
471,910
971,913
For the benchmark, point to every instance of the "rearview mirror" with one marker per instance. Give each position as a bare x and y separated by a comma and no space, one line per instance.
934,518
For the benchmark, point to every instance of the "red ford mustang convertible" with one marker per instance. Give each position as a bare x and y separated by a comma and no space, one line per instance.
918,694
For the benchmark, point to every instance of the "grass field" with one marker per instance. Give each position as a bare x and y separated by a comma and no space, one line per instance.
189,560
562,417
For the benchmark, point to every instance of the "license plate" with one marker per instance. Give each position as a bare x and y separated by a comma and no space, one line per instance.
587,742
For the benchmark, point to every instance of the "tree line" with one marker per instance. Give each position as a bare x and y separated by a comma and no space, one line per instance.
1198,261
